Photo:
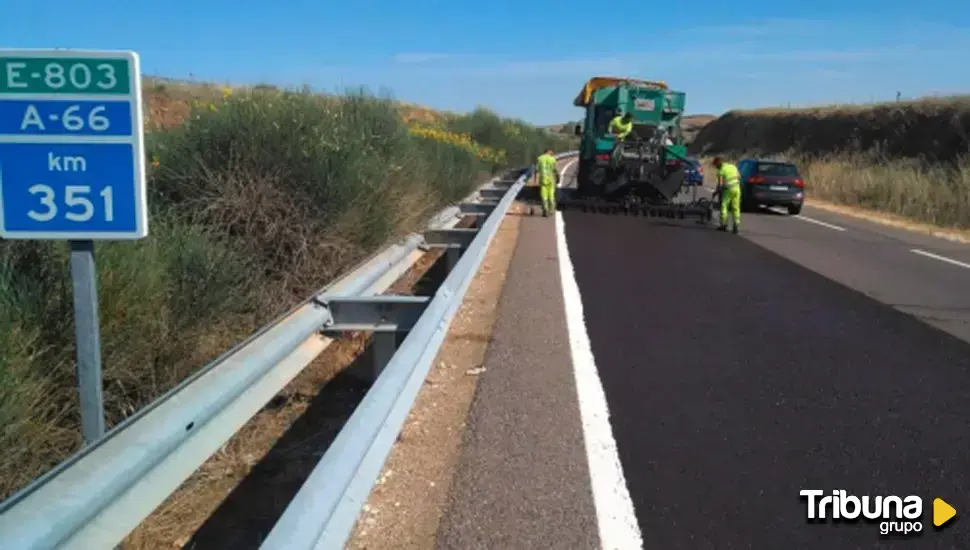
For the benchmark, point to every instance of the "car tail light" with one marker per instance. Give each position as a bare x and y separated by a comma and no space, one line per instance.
603,157
673,162
756,179
799,182
700,169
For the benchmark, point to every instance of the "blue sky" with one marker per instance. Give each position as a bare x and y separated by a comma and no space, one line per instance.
529,59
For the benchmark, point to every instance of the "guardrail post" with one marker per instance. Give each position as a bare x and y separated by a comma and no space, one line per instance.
492,193
452,256
383,346
389,317
483,208
454,241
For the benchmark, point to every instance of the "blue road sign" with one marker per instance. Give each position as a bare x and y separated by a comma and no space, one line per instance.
71,146
20,117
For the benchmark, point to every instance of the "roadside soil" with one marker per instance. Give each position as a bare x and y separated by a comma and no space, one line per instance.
234,499
405,507
899,222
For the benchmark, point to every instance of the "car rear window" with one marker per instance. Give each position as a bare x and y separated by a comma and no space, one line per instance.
774,169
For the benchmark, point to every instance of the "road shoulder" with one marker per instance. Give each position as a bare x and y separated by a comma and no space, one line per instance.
404,509
523,480
892,221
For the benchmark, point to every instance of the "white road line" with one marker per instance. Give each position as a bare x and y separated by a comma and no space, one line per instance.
618,527
562,173
818,222
941,258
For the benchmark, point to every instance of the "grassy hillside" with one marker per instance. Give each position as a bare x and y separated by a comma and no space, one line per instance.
910,159
257,196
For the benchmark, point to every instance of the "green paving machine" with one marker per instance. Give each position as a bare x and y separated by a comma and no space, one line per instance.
644,173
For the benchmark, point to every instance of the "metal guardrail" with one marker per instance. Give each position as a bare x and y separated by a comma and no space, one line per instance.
97,497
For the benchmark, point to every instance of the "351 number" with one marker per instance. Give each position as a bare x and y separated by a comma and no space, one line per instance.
74,196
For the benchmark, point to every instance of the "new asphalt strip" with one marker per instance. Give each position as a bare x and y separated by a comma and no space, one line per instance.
736,378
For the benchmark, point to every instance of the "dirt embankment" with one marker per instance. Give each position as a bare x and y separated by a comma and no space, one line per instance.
935,129
690,125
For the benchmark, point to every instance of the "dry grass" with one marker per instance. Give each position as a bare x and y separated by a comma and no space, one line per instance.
935,194
926,103
411,112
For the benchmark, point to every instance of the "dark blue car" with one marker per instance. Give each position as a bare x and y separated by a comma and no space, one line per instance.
694,173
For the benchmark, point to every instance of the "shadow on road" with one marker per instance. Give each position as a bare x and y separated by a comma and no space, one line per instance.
249,512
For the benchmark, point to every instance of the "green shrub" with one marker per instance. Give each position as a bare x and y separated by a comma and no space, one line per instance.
256,200
522,142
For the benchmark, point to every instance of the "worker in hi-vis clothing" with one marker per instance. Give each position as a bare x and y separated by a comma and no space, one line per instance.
729,188
547,176
621,126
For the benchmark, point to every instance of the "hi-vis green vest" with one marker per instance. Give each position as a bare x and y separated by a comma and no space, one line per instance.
546,169
622,129
729,174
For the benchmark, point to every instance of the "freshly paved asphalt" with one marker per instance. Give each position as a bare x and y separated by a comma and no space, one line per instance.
875,260
738,371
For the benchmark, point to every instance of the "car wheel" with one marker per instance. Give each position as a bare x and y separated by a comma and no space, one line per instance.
794,210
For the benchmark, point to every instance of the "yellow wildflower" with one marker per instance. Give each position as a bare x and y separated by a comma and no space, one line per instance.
463,141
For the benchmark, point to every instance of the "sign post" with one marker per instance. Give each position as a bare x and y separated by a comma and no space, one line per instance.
72,168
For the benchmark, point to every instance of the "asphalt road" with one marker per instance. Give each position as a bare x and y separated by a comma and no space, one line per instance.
810,352
922,275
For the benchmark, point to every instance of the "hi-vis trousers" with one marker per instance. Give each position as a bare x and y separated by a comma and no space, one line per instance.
731,198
